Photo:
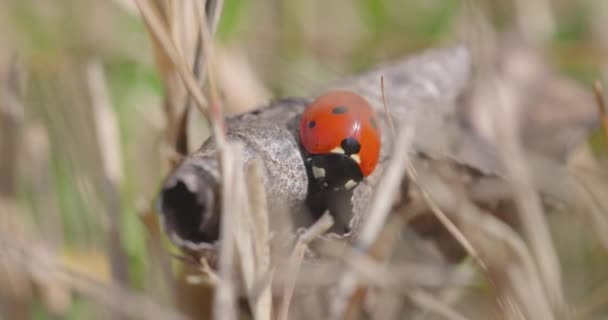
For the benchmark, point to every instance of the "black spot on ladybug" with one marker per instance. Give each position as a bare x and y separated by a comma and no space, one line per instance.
373,122
350,146
339,110
312,124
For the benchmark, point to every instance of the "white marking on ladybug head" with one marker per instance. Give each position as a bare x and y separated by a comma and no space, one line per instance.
338,150
350,184
325,184
318,172
356,157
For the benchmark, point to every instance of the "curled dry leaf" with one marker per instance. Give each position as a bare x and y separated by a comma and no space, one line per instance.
430,84
189,200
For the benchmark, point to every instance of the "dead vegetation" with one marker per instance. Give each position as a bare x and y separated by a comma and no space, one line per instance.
487,153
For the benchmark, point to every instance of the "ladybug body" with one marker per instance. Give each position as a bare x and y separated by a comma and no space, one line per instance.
340,133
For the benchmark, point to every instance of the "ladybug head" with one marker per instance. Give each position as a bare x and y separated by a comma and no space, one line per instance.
335,171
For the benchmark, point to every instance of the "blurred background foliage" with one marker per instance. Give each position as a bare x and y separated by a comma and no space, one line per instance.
60,194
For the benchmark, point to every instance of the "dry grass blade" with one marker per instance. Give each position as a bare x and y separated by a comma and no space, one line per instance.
428,302
445,220
598,89
181,136
207,42
262,303
394,277
224,306
214,11
11,117
165,67
378,211
421,298
109,144
318,228
513,269
108,134
596,208
36,260
535,19
529,206
597,300
160,33
208,17
242,226
204,16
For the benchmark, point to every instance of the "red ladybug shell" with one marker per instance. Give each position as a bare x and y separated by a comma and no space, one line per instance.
339,115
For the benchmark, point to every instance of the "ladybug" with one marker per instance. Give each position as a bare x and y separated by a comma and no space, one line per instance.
341,134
